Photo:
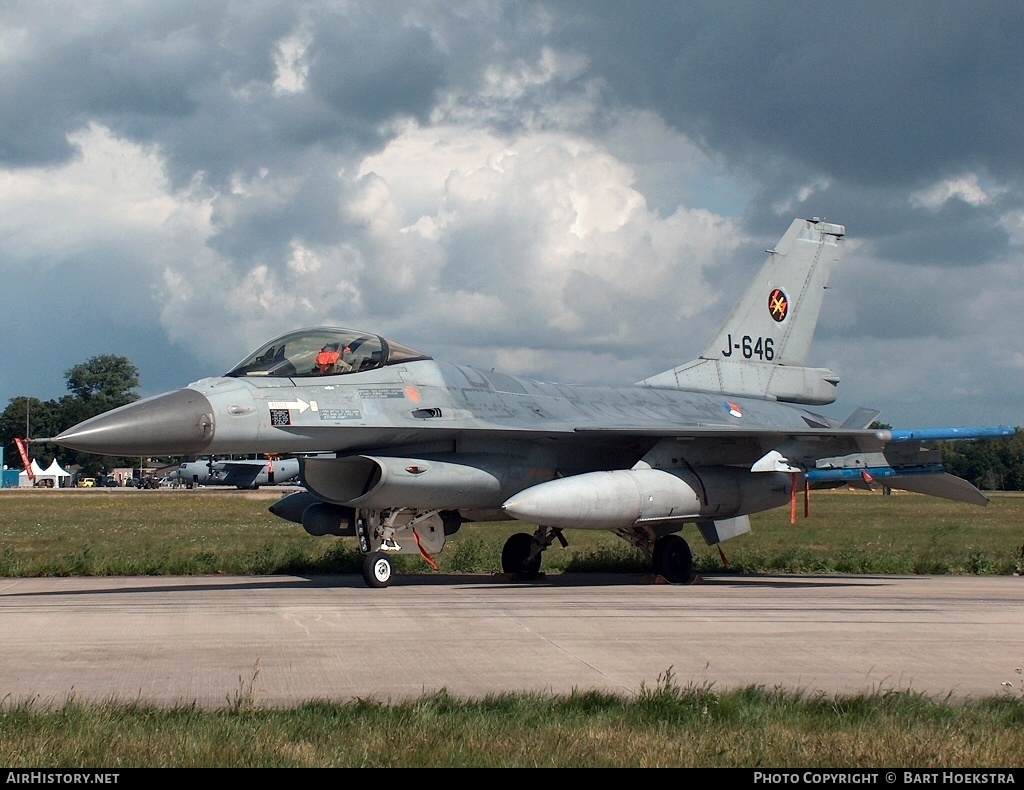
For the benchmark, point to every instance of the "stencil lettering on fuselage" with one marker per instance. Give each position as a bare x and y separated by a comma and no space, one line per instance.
340,414
381,392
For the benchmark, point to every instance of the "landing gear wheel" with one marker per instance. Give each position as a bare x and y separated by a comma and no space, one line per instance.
673,560
377,569
513,556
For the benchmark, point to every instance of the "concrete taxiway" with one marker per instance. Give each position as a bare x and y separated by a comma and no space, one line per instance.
276,641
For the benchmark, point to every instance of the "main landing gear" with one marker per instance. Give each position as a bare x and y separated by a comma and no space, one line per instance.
673,560
669,555
522,552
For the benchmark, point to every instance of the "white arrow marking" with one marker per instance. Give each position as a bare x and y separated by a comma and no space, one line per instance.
298,403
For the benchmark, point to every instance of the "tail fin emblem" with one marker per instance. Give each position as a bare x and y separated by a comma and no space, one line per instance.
778,305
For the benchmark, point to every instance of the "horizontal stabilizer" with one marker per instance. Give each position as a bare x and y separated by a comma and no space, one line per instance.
944,485
929,479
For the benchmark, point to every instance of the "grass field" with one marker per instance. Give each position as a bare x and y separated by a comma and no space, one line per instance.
101,532
109,532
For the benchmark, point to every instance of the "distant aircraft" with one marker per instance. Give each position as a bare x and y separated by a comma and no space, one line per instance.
249,474
420,447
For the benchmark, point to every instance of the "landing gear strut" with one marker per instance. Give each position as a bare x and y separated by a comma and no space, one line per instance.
377,567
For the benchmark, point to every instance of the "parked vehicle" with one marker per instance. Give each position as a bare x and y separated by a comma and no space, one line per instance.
87,482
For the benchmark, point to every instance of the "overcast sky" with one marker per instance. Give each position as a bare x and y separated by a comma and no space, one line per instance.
568,190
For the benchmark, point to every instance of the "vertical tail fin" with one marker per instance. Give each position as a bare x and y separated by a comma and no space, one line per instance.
783,302
763,344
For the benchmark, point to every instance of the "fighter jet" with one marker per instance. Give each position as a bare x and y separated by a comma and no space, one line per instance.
244,473
417,447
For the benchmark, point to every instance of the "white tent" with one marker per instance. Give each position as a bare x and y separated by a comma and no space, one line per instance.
54,472
60,476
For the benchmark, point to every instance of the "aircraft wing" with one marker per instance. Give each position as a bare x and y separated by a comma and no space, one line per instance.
765,447
240,474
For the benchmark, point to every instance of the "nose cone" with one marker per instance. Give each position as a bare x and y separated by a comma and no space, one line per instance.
177,423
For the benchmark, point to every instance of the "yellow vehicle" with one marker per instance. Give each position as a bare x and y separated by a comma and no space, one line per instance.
87,482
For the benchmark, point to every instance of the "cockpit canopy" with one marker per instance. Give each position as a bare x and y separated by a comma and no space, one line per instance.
324,351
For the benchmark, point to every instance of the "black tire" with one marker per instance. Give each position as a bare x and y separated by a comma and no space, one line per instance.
673,560
377,569
513,556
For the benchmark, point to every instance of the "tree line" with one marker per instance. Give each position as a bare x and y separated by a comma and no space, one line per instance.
991,464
